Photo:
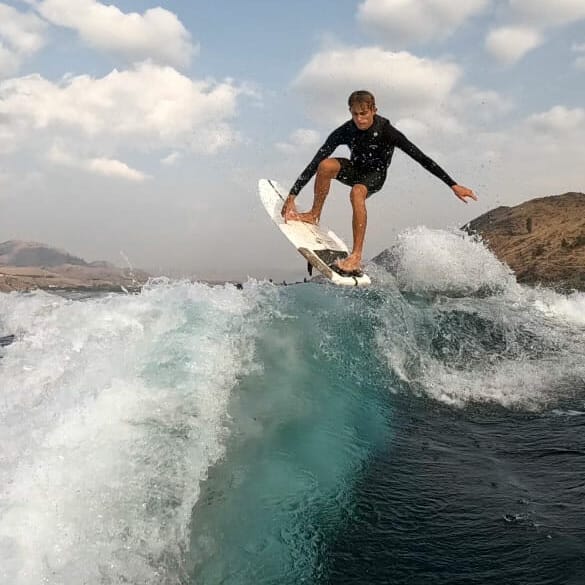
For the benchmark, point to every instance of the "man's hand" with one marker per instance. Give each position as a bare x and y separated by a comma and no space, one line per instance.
289,209
462,192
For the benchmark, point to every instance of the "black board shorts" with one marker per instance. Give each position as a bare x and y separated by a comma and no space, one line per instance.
349,175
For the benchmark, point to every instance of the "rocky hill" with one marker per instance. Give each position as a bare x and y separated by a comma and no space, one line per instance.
541,240
30,265
18,253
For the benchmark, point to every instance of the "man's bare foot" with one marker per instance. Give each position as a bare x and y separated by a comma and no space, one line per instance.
306,217
349,264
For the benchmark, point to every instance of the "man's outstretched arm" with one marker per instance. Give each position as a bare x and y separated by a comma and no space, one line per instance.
430,165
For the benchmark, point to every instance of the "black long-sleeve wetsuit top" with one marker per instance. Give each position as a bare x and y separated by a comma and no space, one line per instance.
371,150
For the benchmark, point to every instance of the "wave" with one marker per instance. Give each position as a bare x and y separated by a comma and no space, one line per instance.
112,412
176,434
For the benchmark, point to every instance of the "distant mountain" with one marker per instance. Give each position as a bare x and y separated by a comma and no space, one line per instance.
30,265
541,240
19,253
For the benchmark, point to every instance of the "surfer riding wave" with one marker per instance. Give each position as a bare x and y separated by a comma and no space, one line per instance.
371,140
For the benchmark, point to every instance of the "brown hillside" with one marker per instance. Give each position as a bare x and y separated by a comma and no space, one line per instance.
30,265
20,253
541,240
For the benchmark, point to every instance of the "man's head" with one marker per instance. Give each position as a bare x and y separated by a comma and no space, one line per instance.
362,106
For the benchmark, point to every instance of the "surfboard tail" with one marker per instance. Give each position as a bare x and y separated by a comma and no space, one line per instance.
315,259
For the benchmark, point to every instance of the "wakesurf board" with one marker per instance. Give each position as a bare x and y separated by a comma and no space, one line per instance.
320,246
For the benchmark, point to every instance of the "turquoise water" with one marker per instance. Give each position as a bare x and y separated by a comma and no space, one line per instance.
427,429
303,427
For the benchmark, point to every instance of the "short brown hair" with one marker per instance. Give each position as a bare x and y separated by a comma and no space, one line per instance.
362,96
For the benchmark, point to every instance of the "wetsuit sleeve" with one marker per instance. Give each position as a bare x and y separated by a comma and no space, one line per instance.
334,140
420,157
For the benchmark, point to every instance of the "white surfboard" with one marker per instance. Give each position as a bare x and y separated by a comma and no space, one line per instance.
319,245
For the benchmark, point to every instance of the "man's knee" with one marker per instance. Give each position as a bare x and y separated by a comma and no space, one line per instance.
329,167
358,193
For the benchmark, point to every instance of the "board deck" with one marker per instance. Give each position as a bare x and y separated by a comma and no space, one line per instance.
319,245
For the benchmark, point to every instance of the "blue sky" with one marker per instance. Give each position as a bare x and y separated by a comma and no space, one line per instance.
141,128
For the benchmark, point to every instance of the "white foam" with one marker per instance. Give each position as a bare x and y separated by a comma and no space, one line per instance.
428,260
111,412
510,383
568,308
537,356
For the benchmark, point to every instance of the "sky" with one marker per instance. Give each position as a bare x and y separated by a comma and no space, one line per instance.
136,131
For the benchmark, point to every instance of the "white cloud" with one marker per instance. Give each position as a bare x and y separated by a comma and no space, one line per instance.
21,35
558,120
547,12
148,108
172,159
212,139
541,155
509,44
526,22
157,34
406,21
99,166
404,82
7,65
299,139
114,168
154,105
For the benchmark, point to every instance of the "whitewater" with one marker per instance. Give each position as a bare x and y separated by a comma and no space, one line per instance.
429,428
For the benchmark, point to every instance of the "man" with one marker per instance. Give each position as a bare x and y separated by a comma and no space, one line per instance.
371,140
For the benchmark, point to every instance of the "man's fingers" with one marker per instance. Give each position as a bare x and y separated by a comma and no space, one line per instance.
463,192
288,210
284,211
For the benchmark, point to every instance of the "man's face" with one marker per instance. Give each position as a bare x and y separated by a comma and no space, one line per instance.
362,115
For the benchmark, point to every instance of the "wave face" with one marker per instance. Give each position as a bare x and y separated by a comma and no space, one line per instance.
112,411
297,434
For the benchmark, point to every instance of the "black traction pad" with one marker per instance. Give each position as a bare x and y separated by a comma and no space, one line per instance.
342,272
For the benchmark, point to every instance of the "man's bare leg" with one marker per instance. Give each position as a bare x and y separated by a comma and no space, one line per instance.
359,222
326,172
